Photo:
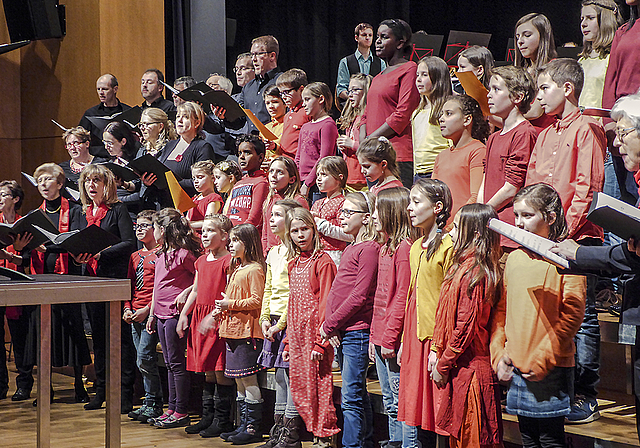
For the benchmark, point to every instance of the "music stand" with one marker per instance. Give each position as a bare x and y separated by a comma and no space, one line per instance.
511,50
461,40
425,45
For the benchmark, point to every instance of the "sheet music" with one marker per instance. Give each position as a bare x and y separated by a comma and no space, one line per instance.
531,241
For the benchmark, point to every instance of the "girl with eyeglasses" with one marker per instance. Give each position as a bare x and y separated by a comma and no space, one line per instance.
347,319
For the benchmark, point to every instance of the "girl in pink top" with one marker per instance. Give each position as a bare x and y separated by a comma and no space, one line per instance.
175,271
391,220
460,166
378,161
350,122
317,137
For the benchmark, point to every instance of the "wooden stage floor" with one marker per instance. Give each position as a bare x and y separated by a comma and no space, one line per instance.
73,427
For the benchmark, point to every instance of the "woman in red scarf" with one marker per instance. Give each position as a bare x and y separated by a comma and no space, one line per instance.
100,206
68,344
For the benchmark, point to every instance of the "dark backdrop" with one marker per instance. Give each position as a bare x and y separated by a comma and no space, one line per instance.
315,35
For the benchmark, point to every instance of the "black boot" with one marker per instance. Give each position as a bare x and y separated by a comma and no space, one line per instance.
290,436
221,422
81,395
274,432
242,407
253,432
207,410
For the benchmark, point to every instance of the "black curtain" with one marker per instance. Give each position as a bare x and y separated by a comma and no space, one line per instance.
177,21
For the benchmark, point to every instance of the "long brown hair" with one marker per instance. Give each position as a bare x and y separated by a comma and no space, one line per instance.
477,240
391,206
178,233
545,199
609,19
293,189
546,47
349,113
93,171
441,86
250,237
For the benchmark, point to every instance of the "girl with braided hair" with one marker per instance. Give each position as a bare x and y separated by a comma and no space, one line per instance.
430,257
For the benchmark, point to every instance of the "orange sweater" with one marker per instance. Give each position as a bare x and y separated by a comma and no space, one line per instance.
245,290
542,313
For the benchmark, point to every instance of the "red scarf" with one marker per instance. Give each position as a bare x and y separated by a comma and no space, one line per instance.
96,218
62,263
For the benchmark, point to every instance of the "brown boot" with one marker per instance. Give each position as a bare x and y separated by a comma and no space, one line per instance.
290,436
274,432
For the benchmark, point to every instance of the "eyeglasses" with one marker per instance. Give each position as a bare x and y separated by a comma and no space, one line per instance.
6,195
242,68
107,144
259,53
349,213
145,125
76,144
142,226
622,133
354,90
287,92
44,179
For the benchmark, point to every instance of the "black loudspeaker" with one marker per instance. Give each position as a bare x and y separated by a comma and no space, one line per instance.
34,19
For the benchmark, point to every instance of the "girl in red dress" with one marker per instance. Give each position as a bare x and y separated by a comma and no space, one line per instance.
206,352
460,361
430,259
207,200
311,274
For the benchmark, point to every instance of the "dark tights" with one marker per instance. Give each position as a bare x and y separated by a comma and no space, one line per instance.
542,432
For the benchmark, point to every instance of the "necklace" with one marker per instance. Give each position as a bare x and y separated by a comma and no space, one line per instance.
300,265
53,211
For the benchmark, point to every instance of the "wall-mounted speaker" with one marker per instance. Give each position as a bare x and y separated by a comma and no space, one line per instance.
34,19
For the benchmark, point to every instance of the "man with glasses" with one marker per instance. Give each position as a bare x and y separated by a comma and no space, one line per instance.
264,56
362,61
107,88
243,71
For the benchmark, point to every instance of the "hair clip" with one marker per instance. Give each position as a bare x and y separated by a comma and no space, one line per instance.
366,198
383,139
439,231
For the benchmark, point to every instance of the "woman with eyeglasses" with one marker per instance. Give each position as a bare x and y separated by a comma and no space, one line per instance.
101,206
77,141
119,141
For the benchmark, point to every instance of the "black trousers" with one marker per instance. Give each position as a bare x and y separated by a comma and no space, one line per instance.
542,432
19,329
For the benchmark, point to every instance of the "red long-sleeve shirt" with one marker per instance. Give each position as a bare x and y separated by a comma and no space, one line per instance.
247,198
350,301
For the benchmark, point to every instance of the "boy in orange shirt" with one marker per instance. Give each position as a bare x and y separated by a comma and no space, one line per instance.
569,156
291,84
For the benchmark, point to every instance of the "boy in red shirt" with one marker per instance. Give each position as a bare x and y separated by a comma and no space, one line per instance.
291,84
248,195
511,91
569,156
142,266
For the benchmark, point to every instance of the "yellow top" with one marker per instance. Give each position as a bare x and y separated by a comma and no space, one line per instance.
428,141
595,70
427,277
276,288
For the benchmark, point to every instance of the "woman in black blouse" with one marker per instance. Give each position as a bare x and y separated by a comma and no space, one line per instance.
100,205
179,155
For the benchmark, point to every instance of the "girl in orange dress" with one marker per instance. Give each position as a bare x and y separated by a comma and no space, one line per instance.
461,363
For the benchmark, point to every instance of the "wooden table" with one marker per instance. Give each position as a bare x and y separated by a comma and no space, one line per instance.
51,289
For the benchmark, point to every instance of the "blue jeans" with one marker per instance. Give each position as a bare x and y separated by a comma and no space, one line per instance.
147,362
353,357
409,436
389,376
587,371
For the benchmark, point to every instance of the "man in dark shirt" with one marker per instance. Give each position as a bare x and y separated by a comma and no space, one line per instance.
151,89
264,55
107,88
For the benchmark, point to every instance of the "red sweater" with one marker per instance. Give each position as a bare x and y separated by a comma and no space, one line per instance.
317,141
623,76
293,122
350,301
394,277
246,199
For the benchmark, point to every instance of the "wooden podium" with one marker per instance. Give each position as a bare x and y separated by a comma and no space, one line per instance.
51,289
